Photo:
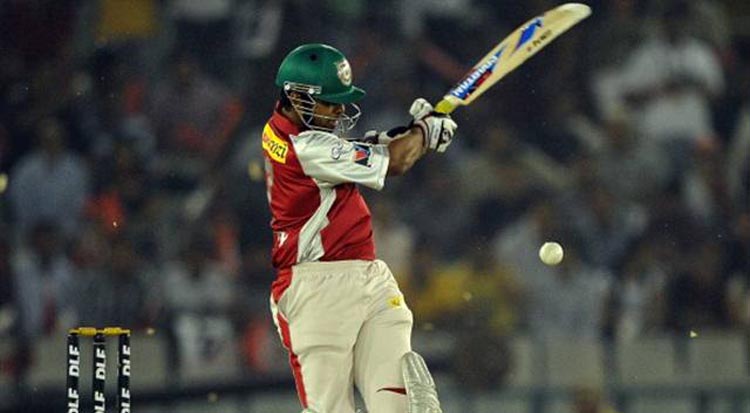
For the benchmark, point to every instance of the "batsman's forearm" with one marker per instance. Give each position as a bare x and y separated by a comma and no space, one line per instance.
406,151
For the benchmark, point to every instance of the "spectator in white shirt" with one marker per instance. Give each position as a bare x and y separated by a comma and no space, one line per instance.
669,82
199,296
44,283
197,284
49,184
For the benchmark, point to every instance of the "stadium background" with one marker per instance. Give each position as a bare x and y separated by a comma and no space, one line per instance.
113,113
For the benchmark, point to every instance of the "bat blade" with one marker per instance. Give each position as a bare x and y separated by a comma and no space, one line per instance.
511,52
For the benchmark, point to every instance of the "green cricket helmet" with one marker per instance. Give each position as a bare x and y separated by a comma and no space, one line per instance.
319,72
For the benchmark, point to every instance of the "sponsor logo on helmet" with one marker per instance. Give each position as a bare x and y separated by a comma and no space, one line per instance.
344,71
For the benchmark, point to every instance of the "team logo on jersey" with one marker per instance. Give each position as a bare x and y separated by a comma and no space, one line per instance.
344,71
395,301
281,237
274,146
362,154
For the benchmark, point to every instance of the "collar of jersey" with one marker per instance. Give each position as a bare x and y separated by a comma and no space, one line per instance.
283,123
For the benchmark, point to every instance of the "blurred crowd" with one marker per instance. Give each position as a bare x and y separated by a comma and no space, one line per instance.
132,189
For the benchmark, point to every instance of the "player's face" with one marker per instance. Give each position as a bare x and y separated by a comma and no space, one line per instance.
327,114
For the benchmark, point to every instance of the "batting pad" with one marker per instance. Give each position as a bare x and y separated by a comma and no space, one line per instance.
420,387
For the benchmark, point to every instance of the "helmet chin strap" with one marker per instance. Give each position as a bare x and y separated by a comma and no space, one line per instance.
304,105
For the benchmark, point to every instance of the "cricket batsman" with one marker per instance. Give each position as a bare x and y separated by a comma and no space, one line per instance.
338,309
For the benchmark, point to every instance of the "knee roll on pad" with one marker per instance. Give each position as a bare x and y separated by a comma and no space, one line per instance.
420,387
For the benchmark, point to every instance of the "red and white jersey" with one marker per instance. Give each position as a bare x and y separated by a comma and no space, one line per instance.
317,212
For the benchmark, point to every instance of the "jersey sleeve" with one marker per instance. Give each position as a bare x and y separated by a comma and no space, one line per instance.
329,159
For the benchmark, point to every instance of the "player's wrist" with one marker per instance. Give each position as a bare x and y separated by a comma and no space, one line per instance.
421,131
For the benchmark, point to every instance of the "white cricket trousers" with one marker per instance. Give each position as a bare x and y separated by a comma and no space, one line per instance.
345,324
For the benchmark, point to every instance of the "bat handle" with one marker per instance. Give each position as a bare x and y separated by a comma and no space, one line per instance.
445,107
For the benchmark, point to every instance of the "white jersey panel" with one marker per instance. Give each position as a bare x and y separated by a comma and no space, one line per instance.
331,160
310,246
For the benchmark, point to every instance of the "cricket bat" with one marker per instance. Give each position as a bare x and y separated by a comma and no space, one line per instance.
511,52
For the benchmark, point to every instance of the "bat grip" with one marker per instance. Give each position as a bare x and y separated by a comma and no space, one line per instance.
445,107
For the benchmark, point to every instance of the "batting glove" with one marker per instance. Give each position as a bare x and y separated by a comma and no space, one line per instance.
438,131
420,108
